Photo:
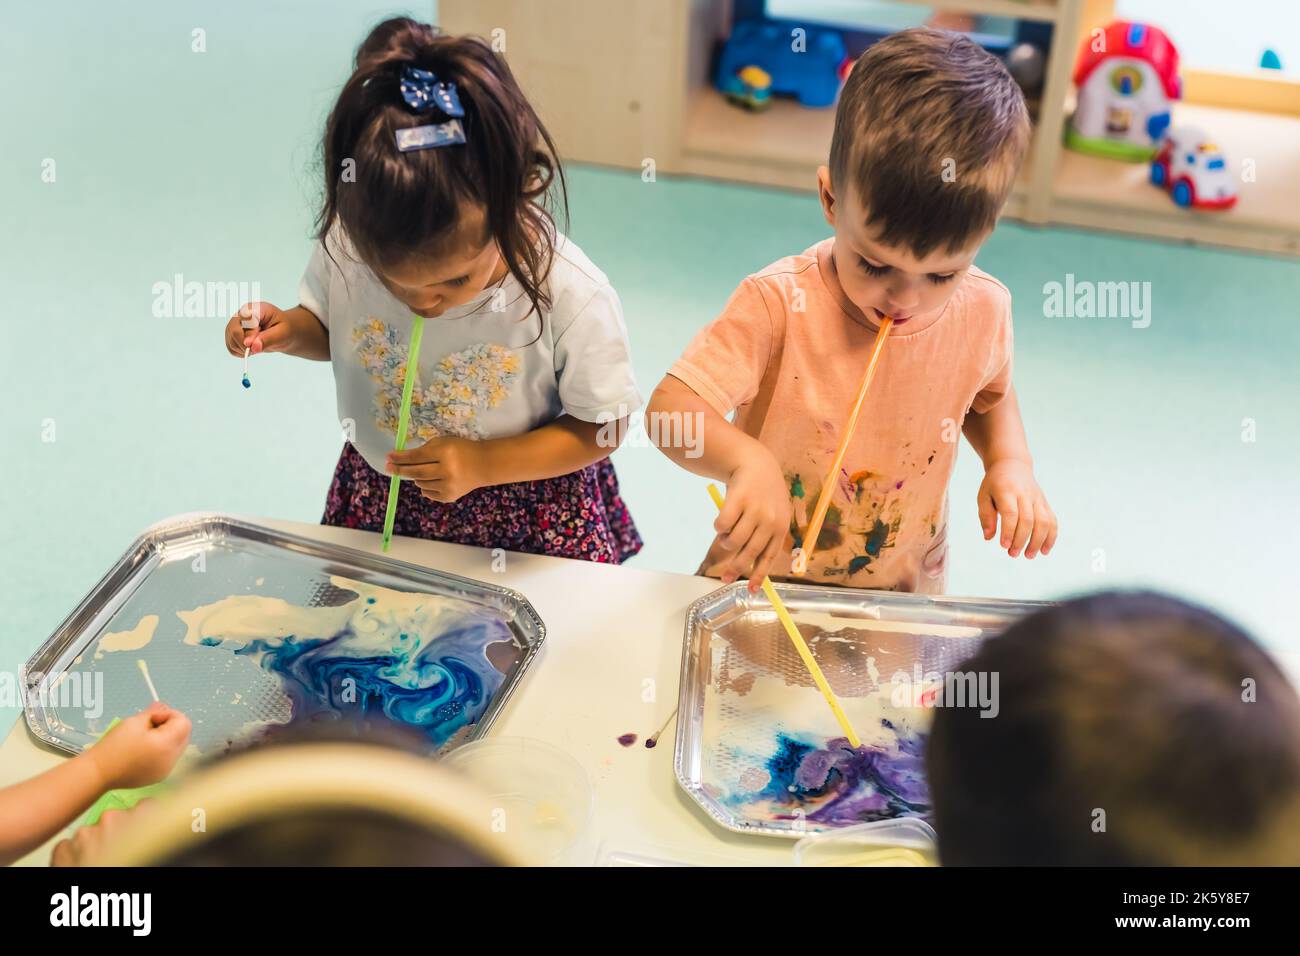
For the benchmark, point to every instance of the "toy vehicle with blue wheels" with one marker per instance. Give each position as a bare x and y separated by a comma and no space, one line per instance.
804,64
1194,171
750,87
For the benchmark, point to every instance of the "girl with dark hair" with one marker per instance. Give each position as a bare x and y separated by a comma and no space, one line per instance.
439,186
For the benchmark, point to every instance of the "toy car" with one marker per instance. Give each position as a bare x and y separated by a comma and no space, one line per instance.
1194,171
799,61
750,87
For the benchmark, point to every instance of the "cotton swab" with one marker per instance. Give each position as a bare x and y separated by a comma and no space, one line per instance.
653,740
809,543
799,644
403,420
248,325
144,669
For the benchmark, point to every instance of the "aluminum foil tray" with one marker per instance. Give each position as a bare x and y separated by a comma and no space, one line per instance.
756,743
74,688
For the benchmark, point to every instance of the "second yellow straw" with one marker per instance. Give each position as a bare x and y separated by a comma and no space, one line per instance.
800,644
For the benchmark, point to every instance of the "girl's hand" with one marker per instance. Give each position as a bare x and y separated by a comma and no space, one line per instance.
444,469
272,332
754,521
141,749
1010,492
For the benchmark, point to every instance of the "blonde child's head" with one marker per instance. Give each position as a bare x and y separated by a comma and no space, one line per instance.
929,134
437,224
312,794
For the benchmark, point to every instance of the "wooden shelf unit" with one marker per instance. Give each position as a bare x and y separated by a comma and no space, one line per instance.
781,146
620,82
1043,11
1105,194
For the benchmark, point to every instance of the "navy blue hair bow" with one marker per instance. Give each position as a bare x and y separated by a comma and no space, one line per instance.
423,92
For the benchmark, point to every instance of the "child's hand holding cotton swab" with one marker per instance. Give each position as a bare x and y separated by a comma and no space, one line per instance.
242,333
135,752
142,749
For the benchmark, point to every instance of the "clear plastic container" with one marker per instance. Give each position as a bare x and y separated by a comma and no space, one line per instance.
653,853
902,842
539,794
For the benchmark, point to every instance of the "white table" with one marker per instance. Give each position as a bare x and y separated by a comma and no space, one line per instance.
609,631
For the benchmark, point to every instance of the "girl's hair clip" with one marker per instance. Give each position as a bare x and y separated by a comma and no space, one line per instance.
423,92
450,133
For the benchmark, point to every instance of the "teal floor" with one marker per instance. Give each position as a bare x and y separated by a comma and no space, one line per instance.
169,161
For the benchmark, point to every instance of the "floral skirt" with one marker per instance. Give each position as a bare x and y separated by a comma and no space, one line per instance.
578,515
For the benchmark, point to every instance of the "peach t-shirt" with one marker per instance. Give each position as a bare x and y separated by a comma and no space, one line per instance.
787,355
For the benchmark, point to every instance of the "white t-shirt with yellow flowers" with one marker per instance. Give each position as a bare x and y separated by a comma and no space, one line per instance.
484,370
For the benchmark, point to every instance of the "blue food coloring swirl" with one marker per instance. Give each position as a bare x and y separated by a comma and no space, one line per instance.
437,688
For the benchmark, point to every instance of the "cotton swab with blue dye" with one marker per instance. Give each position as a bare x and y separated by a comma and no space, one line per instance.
403,420
800,645
248,324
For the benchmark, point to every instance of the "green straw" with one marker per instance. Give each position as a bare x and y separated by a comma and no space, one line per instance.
403,420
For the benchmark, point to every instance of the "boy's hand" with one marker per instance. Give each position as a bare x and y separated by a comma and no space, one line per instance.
1010,492
754,521
141,749
444,469
270,331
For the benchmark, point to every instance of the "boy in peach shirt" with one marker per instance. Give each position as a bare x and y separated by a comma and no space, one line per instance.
929,133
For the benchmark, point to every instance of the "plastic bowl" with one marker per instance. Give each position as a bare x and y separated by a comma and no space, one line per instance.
539,794
902,842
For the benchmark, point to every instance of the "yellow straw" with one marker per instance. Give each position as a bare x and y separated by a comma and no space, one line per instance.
814,529
799,644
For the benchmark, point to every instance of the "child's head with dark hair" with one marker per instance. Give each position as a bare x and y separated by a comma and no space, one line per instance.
929,134
438,225
1132,729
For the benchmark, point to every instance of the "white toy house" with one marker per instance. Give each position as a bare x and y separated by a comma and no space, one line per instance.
1127,79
